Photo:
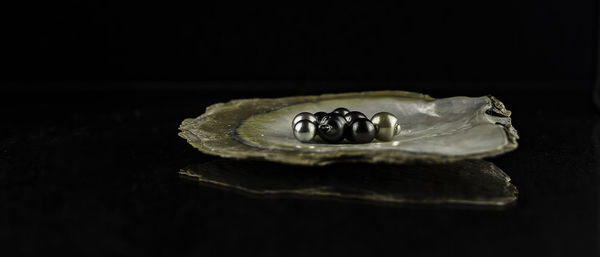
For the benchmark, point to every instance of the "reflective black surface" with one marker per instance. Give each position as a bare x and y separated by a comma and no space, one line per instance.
462,184
96,173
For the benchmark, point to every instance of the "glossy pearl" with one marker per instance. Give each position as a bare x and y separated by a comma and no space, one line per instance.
332,127
304,116
350,117
341,111
319,116
353,115
361,130
305,130
386,125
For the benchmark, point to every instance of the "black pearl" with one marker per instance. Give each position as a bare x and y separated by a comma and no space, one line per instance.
350,117
362,130
341,111
319,116
353,115
331,128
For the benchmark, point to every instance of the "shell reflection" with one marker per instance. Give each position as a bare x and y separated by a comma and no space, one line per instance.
463,183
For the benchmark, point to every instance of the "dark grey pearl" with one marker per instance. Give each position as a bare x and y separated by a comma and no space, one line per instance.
319,116
341,111
304,116
332,127
353,115
362,130
305,130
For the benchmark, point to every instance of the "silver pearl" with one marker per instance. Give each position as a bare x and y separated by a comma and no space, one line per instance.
386,126
305,130
304,116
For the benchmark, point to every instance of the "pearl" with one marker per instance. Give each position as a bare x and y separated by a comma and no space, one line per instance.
362,130
353,115
341,111
305,130
304,116
386,125
331,128
350,117
319,116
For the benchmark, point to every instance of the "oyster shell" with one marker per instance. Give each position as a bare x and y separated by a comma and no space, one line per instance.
433,130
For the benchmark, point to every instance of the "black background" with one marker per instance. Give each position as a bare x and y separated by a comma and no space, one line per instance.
221,41
92,94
